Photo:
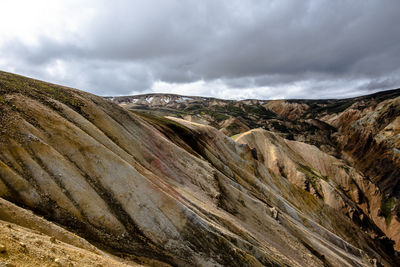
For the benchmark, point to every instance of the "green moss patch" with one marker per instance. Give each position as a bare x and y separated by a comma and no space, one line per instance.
387,207
331,108
38,90
312,176
233,126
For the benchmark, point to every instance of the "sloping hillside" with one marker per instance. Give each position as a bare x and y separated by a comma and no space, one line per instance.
367,136
234,117
363,132
327,178
154,190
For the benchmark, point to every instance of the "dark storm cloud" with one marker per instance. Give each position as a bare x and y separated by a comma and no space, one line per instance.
321,46
392,82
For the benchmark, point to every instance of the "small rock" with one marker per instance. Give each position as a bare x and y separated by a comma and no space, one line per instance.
22,245
10,265
376,191
3,248
52,239
57,261
274,213
375,263
380,213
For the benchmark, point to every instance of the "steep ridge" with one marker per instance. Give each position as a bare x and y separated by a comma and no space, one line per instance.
328,178
368,133
370,141
367,136
157,190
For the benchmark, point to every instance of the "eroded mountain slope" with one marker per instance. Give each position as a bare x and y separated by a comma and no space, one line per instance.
367,136
328,178
155,190
362,131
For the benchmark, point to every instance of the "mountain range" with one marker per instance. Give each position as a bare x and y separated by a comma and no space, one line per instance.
169,180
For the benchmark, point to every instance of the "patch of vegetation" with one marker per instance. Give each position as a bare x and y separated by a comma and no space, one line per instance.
142,107
387,207
41,91
232,109
339,107
233,126
219,116
218,113
250,113
280,127
260,111
312,176
2,100
381,96
335,107
235,135
194,107
315,172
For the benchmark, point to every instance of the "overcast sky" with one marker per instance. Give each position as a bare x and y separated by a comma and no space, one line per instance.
263,49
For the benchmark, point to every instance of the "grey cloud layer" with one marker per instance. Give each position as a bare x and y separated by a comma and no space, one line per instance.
320,44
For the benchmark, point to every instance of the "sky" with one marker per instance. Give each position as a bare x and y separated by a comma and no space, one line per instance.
265,49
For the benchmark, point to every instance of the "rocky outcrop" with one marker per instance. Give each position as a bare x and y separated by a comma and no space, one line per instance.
340,186
368,136
365,133
286,109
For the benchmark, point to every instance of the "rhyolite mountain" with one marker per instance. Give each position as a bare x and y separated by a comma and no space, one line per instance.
84,181
362,132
